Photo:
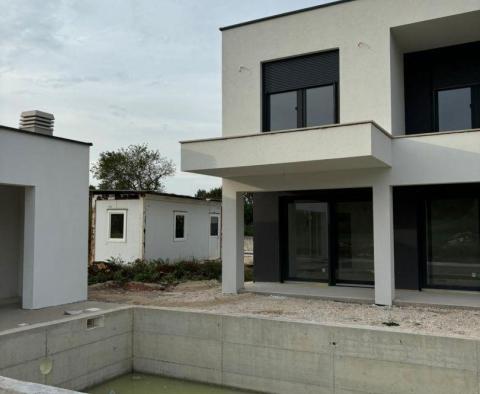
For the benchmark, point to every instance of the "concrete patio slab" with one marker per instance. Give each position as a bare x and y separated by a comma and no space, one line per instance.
441,298
313,290
365,295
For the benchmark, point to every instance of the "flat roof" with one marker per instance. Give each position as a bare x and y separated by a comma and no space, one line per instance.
54,137
315,7
162,194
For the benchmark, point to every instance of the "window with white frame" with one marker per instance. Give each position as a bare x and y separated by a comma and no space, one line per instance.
214,219
117,225
179,223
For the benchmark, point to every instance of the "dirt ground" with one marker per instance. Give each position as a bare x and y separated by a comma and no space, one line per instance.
207,296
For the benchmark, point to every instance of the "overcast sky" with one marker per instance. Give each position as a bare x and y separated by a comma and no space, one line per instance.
122,72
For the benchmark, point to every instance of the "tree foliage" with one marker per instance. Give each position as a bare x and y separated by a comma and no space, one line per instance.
248,212
133,168
215,193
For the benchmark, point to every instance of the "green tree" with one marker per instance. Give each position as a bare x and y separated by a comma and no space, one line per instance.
248,213
215,193
133,168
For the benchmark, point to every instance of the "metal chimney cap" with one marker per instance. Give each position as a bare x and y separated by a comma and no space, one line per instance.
37,122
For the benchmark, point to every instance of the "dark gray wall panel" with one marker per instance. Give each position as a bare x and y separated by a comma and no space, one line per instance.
405,211
266,233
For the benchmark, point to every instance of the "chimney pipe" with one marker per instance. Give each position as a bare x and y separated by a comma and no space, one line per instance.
37,122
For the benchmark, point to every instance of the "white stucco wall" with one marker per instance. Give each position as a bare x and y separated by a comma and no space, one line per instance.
371,80
159,232
55,173
132,247
11,241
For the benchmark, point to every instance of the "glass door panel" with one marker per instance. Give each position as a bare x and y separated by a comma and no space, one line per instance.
320,106
308,241
355,242
283,111
453,249
454,109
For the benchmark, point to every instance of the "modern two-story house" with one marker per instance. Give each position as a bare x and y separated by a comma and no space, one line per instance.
356,124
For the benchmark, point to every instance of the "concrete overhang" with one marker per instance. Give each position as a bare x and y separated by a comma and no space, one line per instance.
440,32
326,148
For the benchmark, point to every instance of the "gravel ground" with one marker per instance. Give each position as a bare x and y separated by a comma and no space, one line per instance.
207,296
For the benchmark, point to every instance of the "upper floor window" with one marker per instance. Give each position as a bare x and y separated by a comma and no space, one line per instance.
302,108
300,91
442,89
454,109
282,111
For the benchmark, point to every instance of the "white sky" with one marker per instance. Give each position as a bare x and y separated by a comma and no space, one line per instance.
120,72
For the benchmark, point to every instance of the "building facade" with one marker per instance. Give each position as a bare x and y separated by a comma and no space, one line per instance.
356,126
44,217
130,225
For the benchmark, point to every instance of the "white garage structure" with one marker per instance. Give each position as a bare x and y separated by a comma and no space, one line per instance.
130,225
43,215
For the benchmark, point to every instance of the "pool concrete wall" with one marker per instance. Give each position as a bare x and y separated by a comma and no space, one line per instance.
261,354
296,357
79,356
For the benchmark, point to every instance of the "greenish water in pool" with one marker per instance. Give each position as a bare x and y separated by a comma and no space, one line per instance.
149,384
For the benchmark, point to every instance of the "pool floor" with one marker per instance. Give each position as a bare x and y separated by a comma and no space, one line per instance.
137,383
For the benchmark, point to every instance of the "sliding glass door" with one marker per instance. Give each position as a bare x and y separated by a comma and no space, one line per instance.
354,228
329,241
308,254
453,248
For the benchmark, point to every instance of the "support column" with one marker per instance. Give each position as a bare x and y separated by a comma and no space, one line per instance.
232,238
28,264
383,245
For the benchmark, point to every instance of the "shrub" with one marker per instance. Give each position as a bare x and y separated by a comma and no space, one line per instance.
155,271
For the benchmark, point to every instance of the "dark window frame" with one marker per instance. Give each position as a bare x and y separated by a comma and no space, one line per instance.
474,115
431,70
301,106
422,195
425,246
331,197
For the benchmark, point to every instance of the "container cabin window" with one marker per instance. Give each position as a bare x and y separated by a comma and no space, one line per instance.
117,225
179,226
301,92
214,226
